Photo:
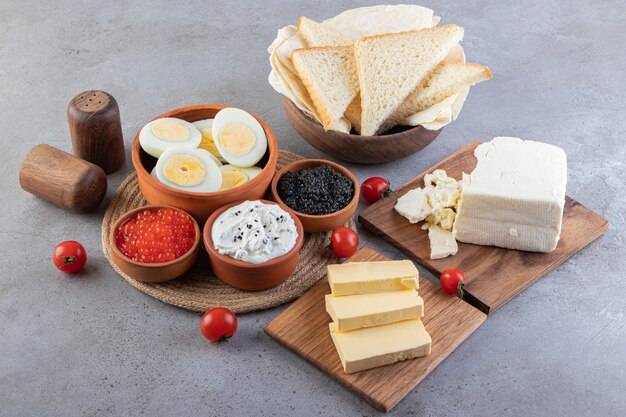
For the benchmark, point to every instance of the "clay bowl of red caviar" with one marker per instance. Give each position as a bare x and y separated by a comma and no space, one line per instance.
155,243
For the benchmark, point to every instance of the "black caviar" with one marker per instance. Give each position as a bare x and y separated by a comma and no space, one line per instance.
317,191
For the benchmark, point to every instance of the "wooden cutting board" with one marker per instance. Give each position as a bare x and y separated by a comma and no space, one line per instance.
493,275
303,327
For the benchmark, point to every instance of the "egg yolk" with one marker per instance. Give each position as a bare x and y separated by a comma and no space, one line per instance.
184,170
237,139
170,131
233,178
207,143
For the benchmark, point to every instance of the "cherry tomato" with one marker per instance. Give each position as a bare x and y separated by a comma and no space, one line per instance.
452,281
344,241
218,324
69,256
375,188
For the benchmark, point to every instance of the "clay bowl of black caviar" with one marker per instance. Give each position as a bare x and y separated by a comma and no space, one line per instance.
323,195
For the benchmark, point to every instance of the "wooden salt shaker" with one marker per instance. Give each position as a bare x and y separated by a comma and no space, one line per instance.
96,129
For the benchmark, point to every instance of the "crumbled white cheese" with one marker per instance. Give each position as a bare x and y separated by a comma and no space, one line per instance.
414,205
442,243
435,203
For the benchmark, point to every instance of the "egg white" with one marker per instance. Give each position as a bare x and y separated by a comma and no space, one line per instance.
155,146
201,124
213,179
251,172
231,115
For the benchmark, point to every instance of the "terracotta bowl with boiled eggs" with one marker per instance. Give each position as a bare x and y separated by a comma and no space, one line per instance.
199,158
319,222
155,243
245,275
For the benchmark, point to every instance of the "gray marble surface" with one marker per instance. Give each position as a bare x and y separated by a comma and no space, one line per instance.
92,345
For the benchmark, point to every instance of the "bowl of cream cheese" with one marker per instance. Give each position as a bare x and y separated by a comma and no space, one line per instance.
253,244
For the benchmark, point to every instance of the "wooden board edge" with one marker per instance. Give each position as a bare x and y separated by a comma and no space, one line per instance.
595,236
376,404
469,331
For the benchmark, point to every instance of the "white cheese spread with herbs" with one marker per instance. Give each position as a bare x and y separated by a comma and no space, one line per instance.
254,232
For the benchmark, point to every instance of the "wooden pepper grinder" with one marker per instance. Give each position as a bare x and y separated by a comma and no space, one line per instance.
96,129
63,179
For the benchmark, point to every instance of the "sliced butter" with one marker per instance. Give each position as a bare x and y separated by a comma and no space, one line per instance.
380,345
372,277
366,310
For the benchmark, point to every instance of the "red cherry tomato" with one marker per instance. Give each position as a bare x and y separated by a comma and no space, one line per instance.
452,281
344,241
218,324
69,256
375,188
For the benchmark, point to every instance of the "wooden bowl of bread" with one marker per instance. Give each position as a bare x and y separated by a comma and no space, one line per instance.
372,96
397,143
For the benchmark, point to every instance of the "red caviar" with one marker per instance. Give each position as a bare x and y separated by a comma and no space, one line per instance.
156,235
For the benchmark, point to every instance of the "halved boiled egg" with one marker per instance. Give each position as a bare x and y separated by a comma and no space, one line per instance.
213,157
189,170
162,134
233,176
239,137
208,143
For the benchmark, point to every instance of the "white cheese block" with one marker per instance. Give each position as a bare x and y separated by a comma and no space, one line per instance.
442,243
380,345
515,196
352,312
372,277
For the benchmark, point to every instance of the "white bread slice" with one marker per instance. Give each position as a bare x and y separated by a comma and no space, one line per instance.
391,66
329,75
353,113
315,34
447,78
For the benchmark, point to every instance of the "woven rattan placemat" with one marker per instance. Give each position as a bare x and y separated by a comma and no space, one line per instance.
198,289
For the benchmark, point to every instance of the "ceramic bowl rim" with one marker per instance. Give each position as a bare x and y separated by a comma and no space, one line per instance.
210,247
272,149
368,139
128,214
337,167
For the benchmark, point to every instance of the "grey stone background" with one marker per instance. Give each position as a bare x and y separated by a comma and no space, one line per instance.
92,345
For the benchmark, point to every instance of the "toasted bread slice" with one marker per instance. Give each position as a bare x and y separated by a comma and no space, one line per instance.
329,75
391,66
447,79
315,34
